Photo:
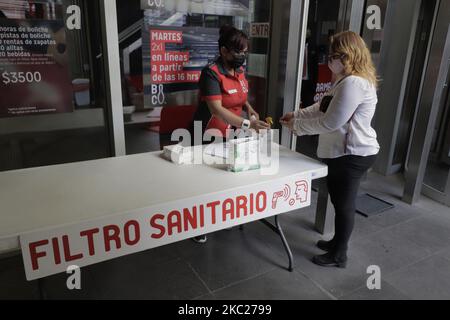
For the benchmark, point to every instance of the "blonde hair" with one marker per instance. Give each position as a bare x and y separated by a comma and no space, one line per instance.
355,55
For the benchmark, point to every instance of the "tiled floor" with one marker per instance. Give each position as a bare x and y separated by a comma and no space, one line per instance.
411,245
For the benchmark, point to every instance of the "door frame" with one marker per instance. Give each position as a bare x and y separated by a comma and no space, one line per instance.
113,84
441,97
351,14
298,15
430,101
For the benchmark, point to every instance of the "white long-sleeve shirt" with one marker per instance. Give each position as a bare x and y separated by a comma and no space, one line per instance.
345,129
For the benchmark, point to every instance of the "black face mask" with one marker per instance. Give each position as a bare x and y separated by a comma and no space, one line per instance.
237,62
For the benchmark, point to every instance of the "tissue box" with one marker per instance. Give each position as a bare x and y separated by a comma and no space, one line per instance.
179,154
243,155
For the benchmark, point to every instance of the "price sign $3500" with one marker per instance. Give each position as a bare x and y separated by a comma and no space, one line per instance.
8,78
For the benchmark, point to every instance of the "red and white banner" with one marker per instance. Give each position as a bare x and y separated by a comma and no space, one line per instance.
48,252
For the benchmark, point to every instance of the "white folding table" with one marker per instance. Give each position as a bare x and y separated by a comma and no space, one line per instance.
50,202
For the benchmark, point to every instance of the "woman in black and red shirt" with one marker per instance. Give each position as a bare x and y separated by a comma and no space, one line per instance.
224,91
224,88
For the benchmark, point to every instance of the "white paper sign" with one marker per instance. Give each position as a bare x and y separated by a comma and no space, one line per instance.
49,252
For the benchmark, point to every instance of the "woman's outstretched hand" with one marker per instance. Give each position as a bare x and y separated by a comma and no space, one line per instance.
287,117
288,120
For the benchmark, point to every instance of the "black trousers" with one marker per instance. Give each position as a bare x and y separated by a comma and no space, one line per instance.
343,181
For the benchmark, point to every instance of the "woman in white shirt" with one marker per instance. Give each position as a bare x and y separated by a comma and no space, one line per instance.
347,143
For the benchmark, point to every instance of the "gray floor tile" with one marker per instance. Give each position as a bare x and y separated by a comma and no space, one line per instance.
299,226
173,280
338,282
445,253
161,254
205,297
435,207
430,232
364,227
387,250
387,292
299,233
302,239
131,278
274,285
13,284
399,214
390,186
55,287
442,214
232,256
428,279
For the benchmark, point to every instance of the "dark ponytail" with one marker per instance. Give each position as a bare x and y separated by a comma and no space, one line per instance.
232,38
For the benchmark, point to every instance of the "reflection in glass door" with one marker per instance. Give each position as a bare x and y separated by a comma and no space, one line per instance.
53,105
374,36
324,19
418,60
162,96
436,180
437,175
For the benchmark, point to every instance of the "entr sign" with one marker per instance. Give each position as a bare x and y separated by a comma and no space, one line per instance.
260,30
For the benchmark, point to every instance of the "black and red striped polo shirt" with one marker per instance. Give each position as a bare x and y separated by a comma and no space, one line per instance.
216,84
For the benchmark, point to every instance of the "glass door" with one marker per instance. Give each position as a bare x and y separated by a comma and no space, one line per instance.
325,18
418,60
160,94
427,168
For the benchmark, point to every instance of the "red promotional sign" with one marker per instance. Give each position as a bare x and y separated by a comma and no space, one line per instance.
173,58
34,74
324,82
168,66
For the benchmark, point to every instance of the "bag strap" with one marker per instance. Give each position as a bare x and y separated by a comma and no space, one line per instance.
335,86
340,81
